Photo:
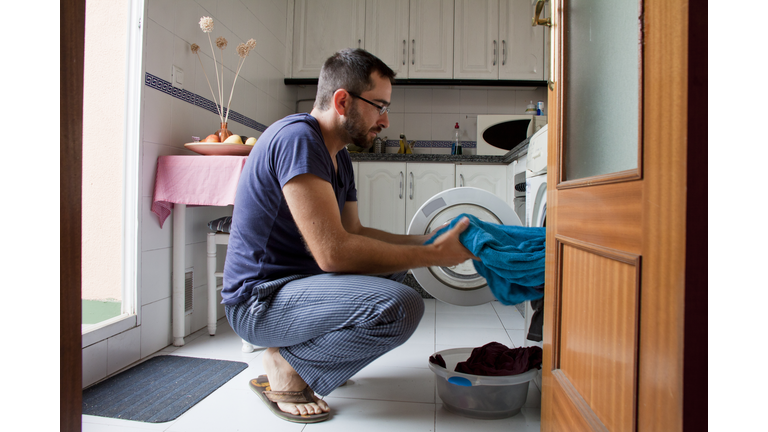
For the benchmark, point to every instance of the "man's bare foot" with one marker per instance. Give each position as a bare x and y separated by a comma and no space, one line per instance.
282,377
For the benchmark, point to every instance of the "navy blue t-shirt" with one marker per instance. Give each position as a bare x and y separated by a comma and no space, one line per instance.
265,244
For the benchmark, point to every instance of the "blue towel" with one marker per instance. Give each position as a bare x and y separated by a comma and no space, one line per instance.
512,257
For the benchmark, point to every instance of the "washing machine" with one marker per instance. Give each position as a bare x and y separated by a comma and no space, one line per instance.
535,200
461,284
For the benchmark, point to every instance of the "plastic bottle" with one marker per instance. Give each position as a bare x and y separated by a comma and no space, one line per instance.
540,108
531,108
456,140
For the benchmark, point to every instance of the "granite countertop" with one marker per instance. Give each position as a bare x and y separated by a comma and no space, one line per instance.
505,159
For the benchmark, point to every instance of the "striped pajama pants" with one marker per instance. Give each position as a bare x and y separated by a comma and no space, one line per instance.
330,326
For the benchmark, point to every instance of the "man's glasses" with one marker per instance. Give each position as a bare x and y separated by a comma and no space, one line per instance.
382,109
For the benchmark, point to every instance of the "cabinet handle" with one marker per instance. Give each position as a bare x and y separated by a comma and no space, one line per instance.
494,53
461,180
401,184
404,44
504,52
411,194
413,51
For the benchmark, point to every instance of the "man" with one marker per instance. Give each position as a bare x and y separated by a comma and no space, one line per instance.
300,271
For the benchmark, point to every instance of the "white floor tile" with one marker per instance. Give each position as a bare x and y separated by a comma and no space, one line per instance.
471,337
455,320
517,337
105,424
528,420
355,415
386,383
482,309
231,410
409,355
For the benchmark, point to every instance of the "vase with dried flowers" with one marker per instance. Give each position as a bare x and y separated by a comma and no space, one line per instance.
243,49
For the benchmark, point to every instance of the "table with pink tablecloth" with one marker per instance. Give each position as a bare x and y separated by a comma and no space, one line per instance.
196,181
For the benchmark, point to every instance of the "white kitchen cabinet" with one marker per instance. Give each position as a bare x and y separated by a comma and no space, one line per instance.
390,193
431,39
424,181
414,38
386,33
494,39
323,27
380,195
492,178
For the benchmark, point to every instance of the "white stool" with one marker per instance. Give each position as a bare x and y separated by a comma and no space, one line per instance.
214,239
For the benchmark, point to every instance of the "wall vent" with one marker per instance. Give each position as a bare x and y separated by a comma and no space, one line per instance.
188,290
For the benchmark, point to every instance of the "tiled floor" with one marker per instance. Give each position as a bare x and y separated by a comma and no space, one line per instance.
395,393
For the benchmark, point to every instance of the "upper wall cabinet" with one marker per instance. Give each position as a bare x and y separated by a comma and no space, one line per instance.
414,38
322,27
494,39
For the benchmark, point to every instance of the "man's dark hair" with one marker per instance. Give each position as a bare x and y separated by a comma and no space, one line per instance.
351,70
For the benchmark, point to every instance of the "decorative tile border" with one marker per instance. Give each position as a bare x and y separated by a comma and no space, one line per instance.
208,105
433,144
199,101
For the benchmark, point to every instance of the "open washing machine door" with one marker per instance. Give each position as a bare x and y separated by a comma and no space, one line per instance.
459,285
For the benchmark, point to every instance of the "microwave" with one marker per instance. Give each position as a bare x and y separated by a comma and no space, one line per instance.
498,134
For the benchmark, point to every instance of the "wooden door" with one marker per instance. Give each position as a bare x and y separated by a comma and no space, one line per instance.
619,262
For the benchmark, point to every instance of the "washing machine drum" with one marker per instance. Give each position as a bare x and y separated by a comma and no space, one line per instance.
458,285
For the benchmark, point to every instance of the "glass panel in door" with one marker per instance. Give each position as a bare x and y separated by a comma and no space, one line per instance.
602,63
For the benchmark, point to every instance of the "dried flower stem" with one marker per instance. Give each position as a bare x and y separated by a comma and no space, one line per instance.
239,66
221,115
218,111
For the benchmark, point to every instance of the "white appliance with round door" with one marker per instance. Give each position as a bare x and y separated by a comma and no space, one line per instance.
459,285
535,200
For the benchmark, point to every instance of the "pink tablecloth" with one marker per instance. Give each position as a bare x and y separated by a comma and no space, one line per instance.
195,180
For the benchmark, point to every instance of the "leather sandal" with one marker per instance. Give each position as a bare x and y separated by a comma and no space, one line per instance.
271,398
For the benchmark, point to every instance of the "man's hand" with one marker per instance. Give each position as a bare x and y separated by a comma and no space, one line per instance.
450,251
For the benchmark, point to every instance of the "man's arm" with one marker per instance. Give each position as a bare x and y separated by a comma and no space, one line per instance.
314,208
350,219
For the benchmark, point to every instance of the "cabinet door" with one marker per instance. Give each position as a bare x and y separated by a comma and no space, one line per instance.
522,45
492,178
477,47
381,196
386,33
431,39
322,27
424,181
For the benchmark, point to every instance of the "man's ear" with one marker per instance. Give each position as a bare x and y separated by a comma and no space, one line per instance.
341,101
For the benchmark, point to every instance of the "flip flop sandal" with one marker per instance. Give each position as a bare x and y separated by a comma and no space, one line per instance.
261,387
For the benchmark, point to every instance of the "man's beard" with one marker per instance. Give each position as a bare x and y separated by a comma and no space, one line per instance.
357,132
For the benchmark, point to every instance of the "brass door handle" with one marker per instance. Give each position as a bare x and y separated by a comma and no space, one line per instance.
536,18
